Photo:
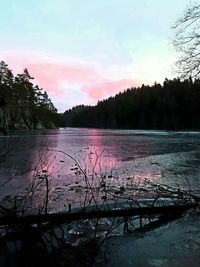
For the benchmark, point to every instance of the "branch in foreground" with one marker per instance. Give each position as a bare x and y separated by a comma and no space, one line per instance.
61,218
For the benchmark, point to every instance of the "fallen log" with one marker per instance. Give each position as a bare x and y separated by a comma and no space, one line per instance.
61,218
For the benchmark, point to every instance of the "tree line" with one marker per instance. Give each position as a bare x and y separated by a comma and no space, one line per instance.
22,104
175,105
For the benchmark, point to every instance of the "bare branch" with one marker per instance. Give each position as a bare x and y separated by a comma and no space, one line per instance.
186,41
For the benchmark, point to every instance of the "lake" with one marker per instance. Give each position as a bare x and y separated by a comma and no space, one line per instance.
120,156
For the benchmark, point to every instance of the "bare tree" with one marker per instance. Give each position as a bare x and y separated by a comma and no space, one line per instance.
186,41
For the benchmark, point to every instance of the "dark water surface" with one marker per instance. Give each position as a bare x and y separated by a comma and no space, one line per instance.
166,157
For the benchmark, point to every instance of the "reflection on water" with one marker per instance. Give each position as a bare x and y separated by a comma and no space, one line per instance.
123,155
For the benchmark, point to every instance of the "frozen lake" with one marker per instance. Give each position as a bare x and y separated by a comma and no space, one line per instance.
170,158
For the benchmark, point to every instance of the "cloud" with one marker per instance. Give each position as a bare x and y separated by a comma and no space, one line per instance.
107,88
53,75
72,80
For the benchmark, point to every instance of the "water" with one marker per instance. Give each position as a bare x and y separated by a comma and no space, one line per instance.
170,158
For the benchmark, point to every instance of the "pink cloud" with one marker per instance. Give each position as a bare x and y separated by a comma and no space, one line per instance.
52,76
49,74
106,88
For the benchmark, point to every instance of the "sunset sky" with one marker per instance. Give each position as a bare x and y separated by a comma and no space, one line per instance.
81,51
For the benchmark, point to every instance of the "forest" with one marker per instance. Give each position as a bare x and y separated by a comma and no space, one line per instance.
24,105
175,105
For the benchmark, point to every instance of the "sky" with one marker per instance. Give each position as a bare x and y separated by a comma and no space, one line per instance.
82,51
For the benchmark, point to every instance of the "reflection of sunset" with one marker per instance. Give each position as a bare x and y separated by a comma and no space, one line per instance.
138,172
121,160
97,155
